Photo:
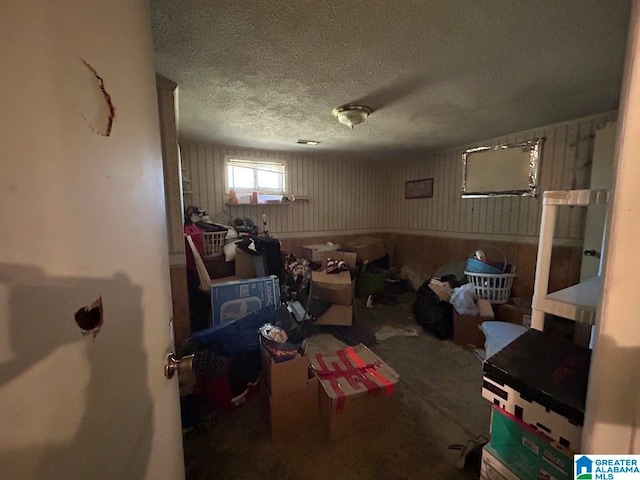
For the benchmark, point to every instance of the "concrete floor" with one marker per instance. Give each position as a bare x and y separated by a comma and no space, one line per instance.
441,404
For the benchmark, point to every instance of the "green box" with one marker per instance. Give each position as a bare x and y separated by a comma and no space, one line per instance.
525,451
370,283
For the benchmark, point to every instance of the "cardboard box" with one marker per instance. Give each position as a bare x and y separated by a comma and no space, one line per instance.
315,253
525,451
294,414
248,265
492,468
356,390
465,327
367,249
337,315
542,380
218,268
334,287
518,314
285,377
233,300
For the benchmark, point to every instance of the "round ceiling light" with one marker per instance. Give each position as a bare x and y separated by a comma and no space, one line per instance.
351,115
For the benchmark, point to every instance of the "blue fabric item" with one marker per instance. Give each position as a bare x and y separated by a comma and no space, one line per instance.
499,335
238,336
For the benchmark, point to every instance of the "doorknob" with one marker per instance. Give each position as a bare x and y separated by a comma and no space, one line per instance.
592,253
173,365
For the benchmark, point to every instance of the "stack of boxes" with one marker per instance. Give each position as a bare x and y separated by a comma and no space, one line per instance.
538,387
344,391
336,288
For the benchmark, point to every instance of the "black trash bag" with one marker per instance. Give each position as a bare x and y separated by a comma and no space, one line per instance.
434,314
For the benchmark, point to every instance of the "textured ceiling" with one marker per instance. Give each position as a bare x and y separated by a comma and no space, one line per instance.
265,73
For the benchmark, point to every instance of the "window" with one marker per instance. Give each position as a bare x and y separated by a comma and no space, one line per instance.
245,175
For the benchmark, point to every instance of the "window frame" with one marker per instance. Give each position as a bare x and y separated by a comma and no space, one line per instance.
255,160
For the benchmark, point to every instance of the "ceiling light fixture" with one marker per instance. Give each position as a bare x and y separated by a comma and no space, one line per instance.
308,142
351,115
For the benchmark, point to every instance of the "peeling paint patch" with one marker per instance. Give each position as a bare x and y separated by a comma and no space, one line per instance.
89,319
105,132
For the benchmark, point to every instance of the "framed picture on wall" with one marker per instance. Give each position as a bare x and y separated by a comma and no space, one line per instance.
418,188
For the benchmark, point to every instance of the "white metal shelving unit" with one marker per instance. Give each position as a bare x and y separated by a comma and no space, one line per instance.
578,302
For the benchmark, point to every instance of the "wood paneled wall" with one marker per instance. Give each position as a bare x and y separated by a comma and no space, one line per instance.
565,164
425,254
344,195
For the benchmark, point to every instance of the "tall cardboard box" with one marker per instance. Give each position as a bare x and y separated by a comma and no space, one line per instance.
356,390
466,331
291,397
294,414
285,377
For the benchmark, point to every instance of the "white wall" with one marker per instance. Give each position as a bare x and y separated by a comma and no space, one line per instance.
82,216
612,423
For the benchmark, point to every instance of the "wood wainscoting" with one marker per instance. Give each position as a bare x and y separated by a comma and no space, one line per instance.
425,254
422,253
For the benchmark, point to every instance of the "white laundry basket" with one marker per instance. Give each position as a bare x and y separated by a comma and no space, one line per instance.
212,243
490,282
495,287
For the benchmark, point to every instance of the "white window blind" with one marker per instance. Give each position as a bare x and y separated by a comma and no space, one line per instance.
246,175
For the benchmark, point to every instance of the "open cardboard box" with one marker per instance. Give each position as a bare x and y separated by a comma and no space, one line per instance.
466,331
290,397
337,288
285,377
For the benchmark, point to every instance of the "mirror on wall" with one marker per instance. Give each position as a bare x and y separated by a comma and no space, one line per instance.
501,170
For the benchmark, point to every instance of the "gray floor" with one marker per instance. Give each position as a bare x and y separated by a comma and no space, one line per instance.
441,404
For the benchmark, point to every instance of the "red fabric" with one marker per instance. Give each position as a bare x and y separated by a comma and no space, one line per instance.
196,236
217,393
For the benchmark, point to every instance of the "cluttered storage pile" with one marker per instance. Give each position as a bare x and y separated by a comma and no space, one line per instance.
456,305
255,343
